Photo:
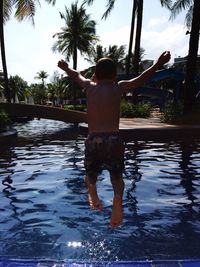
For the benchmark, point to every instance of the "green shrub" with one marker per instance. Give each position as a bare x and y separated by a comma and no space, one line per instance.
4,120
126,110
172,112
129,110
76,107
143,110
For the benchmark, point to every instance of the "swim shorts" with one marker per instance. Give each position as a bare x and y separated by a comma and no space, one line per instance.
104,151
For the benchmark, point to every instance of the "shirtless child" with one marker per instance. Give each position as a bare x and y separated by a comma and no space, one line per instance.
103,147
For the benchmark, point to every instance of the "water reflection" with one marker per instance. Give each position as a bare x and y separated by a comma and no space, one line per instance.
189,171
44,209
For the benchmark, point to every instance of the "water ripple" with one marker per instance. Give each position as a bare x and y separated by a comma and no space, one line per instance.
44,207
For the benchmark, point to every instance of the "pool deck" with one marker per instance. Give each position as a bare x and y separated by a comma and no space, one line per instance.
153,129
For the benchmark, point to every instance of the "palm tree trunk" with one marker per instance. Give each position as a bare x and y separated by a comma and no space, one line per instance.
74,67
131,37
189,90
3,54
138,37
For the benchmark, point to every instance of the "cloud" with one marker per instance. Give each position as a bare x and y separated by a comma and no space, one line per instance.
163,34
172,37
156,22
155,40
118,37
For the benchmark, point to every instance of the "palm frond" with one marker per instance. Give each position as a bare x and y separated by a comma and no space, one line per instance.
88,2
188,17
179,6
51,2
166,3
110,6
25,9
7,10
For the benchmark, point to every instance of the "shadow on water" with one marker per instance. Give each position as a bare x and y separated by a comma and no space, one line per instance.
170,231
44,210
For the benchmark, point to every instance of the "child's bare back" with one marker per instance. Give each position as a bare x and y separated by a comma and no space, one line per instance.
103,107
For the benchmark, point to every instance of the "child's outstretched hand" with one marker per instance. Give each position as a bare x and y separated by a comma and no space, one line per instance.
62,64
164,58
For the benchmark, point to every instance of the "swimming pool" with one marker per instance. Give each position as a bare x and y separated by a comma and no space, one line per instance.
44,210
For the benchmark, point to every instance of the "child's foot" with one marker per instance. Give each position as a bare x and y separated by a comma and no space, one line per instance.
117,214
93,198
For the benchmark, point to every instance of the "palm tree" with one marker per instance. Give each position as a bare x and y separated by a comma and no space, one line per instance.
96,53
134,9
190,89
117,53
138,36
193,24
1,84
41,75
78,34
24,9
17,87
3,51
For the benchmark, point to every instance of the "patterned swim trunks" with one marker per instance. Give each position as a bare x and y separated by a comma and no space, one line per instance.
104,151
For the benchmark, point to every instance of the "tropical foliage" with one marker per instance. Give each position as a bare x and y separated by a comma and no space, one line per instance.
172,112
17,87
23,9
193,23
4,120
178,6
117,53
41,75
136,27
39,93
130,110
78,34
1,83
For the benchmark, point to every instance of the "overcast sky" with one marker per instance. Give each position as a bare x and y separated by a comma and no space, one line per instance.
29,49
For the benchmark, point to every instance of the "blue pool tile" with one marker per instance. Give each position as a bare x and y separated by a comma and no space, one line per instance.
17,264
190,263
47,264
165,264
33,263
112,264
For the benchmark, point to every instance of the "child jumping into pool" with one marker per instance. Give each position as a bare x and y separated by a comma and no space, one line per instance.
103,147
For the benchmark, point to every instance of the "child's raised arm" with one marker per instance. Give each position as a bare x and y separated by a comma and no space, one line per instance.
75,75
139,81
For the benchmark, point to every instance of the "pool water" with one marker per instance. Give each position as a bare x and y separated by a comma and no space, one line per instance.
44,211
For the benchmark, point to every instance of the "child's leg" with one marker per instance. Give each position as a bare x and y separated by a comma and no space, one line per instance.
93,198
118,188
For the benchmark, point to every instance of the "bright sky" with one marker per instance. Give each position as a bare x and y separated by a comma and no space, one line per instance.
29,49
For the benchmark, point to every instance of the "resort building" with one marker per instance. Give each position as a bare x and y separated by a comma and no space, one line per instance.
180,64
